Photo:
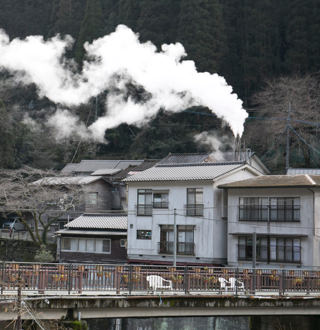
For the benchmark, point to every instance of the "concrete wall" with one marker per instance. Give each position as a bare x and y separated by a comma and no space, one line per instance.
206,250
210,234
309,244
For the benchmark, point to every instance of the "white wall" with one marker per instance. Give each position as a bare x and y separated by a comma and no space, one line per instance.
210,235
204,228
304,227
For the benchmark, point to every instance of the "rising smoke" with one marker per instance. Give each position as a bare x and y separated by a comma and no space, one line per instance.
117,59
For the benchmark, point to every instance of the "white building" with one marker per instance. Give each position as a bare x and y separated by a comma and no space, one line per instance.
283,211
191,190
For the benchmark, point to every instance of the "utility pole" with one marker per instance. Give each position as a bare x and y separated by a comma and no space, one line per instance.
19,320
288,138
174,238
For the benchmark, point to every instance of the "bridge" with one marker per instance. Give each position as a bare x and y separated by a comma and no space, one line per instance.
51,291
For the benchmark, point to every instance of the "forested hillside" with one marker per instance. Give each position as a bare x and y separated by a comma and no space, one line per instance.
248,42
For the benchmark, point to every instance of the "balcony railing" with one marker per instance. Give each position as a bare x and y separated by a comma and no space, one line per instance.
183,248
144,209
287,255
160,205
194,210
269,213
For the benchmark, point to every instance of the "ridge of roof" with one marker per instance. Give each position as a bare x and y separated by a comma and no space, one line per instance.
201,164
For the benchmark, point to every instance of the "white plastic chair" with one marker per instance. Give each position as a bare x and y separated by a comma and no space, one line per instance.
157,282
223,284
233,282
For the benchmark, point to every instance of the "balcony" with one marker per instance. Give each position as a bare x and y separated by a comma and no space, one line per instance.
160,205
269,213
144,210
183,248
194,210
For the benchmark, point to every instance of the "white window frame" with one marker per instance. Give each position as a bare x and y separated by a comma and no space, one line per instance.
95,241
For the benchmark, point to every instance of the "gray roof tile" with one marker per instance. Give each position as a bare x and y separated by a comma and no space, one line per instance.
204,171
97,221
67,180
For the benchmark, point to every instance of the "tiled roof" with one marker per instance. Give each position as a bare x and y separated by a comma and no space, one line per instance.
97,221
106,171
204,171
293,171
184,159
279,181
93,165
67,180
70,168
69,232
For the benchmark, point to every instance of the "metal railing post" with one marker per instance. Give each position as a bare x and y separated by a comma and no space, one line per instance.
130,279
253,282
237,276
69,278
186,280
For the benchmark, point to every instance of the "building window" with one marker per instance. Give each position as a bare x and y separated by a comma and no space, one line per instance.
66,243
194,205
160,200
285,209
106,245
144,234
89,245
270,249
185,240
92,198
269,209
253,208
123,243
144,203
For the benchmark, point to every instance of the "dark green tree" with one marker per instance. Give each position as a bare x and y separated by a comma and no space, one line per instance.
201,31
91,27
158,20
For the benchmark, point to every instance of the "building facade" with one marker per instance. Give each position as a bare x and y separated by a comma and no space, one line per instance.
279,213
185,195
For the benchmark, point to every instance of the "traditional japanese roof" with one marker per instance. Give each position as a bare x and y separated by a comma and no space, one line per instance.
184,159
293,171
273,181
69,168
106,171
67,180
99,221
93,165
184,172
91,232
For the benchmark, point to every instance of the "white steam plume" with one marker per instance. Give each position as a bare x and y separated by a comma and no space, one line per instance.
218,144
116,59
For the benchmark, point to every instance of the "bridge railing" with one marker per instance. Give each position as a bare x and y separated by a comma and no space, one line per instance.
135,279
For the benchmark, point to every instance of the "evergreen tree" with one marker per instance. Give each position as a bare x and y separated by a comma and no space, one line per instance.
303,37
7,138
66,17
158,20
91,27
201,31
